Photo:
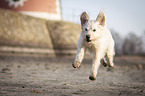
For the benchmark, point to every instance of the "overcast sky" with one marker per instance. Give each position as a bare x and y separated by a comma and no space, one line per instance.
123,16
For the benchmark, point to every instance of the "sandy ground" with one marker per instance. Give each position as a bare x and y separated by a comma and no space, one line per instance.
55,76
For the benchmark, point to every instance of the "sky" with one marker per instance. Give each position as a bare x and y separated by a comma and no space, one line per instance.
123,16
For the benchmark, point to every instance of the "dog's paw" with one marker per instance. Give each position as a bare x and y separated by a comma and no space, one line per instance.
111,66
104,62
92,78
76,64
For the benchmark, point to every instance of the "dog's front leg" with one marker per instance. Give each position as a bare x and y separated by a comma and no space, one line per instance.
79,57
95,66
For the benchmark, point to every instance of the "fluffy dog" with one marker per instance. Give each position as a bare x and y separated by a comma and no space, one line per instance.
97,39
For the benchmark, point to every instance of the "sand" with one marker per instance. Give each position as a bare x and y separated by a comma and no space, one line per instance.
35,75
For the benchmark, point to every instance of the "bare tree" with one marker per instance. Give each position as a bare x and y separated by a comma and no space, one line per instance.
132,44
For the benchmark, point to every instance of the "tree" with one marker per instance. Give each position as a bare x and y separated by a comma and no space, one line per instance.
132,44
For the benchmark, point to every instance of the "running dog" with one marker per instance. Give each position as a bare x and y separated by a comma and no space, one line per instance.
97,39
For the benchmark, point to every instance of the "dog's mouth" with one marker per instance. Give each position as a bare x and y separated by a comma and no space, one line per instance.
88,40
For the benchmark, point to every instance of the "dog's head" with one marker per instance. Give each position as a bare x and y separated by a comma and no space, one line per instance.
92,30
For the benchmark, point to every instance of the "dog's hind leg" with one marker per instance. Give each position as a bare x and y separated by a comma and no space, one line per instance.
110,55
104,62
79,57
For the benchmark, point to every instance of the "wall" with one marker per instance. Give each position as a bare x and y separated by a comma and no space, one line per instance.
17,30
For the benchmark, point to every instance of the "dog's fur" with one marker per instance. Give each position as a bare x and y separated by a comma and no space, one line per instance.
97,39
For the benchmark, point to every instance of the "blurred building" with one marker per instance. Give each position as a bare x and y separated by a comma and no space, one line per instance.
46,9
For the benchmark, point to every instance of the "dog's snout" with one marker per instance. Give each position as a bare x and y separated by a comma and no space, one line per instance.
87,36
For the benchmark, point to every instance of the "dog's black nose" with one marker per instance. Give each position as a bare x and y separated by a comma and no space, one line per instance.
88,36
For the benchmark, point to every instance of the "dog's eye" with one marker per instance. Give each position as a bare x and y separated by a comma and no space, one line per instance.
86,29
94,30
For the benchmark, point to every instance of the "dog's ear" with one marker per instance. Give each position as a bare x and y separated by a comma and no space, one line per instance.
101,18
84,18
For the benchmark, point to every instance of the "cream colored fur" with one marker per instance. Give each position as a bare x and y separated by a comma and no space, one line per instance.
97,39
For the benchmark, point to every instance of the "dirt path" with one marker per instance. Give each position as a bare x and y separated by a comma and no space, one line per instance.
45,76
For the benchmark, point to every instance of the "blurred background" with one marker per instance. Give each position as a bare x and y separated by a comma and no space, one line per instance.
53,26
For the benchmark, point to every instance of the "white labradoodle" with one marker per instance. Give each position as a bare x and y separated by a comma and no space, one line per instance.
97,39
